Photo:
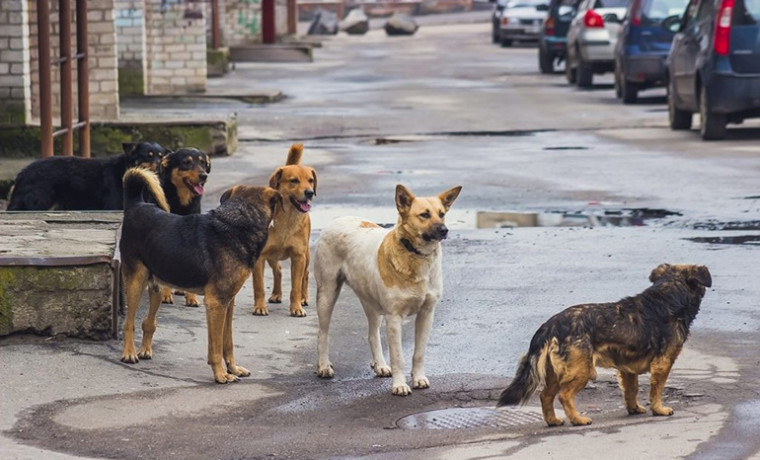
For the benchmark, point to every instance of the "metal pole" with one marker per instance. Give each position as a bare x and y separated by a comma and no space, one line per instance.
293,17
46,109
216,30
67,110
268,33
83,79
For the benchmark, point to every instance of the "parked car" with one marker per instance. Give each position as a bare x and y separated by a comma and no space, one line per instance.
521,20
552,40
643,45
714,66
591,40
498,7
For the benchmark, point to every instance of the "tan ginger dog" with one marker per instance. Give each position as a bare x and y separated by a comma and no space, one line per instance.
289,235
394,274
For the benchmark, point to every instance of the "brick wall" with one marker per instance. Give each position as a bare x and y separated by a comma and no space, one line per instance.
15,95
130,37
175,46
241,22
103,82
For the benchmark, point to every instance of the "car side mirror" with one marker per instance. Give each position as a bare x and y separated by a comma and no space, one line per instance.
672,23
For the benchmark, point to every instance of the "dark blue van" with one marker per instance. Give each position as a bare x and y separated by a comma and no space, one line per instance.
643,45
714,66
552,39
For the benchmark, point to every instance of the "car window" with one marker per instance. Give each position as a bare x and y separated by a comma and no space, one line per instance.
654,11
610,4
526,3
746,12
691,14
564,7
705,10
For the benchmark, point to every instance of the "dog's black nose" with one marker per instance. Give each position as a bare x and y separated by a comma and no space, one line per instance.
442,231
308,193
203,177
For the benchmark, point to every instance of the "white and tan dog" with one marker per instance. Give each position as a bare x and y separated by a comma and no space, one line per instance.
394,273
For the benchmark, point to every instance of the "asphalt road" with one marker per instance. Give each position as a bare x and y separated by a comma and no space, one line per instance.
442,108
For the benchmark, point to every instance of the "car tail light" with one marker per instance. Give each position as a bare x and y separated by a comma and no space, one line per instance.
593,19
504,21
722,42
550,26
636,13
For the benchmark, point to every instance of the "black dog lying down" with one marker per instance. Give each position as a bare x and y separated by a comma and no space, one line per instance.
639,334
73,183
210,254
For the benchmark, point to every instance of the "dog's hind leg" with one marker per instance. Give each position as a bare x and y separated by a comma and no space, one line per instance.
229,349
547,396
579,368
135,279
629,383
422,325
191,300
660,369
395,350
378,363
216,317
328,289
276,296
150,322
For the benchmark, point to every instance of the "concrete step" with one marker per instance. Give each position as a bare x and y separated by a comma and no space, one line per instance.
278,52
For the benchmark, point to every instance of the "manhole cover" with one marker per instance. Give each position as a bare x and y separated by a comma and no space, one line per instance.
450,419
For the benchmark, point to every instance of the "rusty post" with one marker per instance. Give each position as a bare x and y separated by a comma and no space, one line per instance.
216,30
83,70
46,103
268,32
292,17
67,109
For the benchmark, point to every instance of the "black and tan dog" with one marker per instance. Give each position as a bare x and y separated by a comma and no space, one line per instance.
74,184
289,235
183,177
154,246
639,334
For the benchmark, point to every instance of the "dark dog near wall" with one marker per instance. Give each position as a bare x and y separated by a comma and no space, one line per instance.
639,334
225,244
74,184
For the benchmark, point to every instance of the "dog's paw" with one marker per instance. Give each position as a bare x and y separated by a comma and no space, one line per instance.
226,378
145,353
130,357
167,298
239,371
305,303
662,410
191,300
275,298
580,421
637,410
325,372
401,390
297,312
261,311
554,421
420,383
381,370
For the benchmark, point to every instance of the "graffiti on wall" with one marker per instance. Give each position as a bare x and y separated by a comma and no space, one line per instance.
248,16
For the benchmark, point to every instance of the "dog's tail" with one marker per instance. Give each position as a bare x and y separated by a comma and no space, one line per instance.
136,182
530,373
294,154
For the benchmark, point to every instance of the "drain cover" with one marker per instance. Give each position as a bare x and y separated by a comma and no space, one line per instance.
476,417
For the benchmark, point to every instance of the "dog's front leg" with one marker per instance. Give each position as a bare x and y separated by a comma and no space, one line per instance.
216,316
297,268
259,306
229,348
629,383
393,330
422,325
660,369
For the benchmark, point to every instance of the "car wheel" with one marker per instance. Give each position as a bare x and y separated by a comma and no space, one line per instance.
570,73
495,34
629,91
545,61
712,126
618,89
506,42
585,77
679,119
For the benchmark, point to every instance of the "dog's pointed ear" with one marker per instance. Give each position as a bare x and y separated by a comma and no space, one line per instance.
404,198
165,160
447,198
701,275
314,176
273,197
128,147
658,272
274,180
228,193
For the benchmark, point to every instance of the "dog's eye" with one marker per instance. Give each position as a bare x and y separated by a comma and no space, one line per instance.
441,214
293,181
150,154
425,215
311,181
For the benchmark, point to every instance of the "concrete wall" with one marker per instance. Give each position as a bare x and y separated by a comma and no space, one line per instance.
15,75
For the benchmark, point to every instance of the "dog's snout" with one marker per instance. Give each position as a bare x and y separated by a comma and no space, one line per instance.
308,193
203,177
442,231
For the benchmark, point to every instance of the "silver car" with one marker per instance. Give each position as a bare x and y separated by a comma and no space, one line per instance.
592,38
521,20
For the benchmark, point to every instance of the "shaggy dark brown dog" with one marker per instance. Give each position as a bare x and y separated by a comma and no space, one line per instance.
643,333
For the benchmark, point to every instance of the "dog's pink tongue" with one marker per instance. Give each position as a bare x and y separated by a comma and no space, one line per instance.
198,189
305,206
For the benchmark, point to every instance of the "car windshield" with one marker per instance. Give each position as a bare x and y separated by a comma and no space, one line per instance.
565,7
610,4
654,11
526,3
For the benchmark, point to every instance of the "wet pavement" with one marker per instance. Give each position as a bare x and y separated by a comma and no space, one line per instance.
439,109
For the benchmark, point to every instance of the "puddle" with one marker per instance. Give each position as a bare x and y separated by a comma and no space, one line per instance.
741,239
735,225
596,218
566,147
475,417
